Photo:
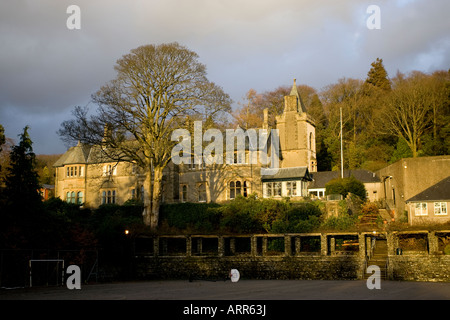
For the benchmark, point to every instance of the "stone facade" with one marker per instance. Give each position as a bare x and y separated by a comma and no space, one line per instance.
408,177
85,176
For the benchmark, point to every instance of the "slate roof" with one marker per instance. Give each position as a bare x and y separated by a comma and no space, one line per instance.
319,179
295,173
75,155
82,154
439,191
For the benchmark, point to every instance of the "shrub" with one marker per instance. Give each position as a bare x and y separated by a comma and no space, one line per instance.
369,208
345,186
341,223
201,217
300,217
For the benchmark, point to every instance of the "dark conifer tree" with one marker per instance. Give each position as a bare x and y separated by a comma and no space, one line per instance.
21,205
378,75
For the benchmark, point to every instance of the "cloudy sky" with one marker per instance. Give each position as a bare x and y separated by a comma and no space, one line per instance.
47,69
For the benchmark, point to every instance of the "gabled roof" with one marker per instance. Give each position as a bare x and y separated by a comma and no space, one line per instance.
75,155
439,191
83,154
319,179
285,174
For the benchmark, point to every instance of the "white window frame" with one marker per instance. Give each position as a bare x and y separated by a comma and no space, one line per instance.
420,209
440,208
275,187
291,188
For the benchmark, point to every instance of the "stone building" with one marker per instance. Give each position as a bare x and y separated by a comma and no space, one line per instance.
408,177
430,205
84,175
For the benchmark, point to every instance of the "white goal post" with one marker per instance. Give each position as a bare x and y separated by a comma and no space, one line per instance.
58,263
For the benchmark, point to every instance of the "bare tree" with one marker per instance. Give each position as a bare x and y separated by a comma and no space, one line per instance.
408,108
157,87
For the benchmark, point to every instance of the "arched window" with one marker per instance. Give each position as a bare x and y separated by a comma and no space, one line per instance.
245,193
184,193
80,198
202,192
104,197
232,190
238,188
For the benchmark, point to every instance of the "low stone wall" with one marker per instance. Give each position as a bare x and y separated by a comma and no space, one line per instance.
418,256
319,256
217,268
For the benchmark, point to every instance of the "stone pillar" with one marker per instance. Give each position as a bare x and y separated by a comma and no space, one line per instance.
264,246
323,244
362,246
254,246
433,244
287,245
392,242
188,246
220,246
361,255
332,245
298,245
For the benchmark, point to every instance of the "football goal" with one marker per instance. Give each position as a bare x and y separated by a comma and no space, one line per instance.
46,272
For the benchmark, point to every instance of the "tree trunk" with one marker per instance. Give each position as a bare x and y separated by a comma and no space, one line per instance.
156,198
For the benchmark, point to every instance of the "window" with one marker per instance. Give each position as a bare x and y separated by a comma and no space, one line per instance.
202,192
74,197
236,189
440,208
74,171
291,187
421,209
183,193
109,170
138,193
108,196
80,198
245,189
273,189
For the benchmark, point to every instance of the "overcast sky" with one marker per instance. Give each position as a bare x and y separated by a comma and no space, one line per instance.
46,69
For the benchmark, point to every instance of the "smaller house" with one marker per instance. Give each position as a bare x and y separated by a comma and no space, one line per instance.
430,205
47,191
285,182
372,183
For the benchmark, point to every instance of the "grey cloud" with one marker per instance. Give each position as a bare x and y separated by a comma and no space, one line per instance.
46,69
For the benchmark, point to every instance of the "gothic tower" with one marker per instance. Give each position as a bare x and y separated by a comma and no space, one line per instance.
297,134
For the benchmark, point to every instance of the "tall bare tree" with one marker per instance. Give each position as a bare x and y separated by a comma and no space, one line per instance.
408,108
156,88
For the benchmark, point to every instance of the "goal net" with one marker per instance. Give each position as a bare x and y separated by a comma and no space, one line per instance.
46,272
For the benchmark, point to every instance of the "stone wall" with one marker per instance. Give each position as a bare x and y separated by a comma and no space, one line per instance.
418,256
316,256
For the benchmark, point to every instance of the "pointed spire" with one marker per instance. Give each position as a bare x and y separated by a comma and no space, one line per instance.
294,92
